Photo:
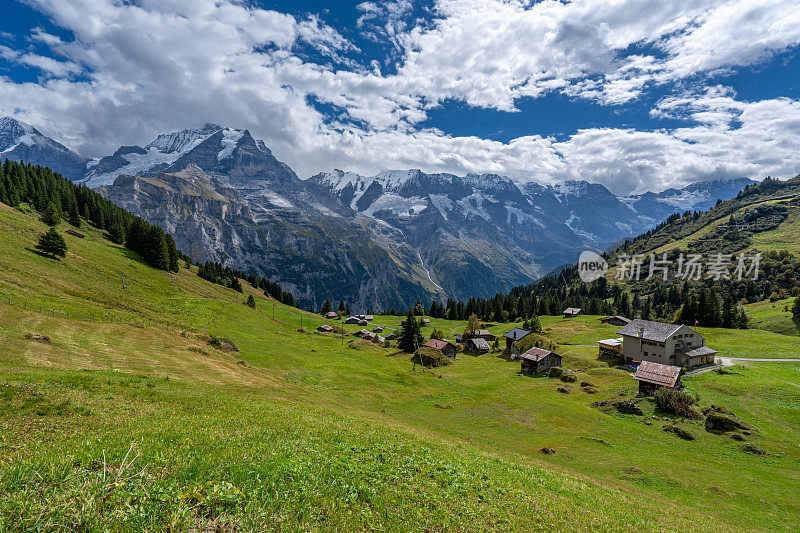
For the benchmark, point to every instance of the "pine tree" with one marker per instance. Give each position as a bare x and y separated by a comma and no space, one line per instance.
327,307
796,312
117,232
251,302
75,217
52,243
51,216
158,255
410,337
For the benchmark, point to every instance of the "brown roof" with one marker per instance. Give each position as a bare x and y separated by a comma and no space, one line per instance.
666,375
437,344
536,354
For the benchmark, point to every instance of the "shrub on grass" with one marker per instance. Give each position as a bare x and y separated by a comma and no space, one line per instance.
676,402
675,430
220,343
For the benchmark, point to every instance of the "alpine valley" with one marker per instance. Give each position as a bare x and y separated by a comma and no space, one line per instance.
377,242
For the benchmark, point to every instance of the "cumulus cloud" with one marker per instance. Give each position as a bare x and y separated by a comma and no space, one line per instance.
131,70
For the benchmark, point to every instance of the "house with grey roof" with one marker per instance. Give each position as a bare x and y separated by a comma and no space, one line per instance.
666,344
515,335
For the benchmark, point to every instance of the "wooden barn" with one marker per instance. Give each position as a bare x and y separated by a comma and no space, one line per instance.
477,345
447,348
330,315
610,347
572,312
515,335
352,320
325,328
653,376
538,360
616,320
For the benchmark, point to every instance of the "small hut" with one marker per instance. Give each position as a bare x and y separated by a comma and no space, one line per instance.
330,315
538,360
447,348
351,320
325,328
477,345
610,347
515,335
653,376
616,320
572,312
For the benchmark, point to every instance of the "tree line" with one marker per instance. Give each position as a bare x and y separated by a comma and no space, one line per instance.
55,197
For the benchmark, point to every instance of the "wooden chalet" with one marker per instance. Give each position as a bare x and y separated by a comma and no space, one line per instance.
538,360
477,345
330,315
616,320
447,348
610,347
377,329
572,312
515,335
325,328
352,320
653,376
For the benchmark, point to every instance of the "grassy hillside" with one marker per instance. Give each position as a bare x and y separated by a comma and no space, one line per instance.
772,316
307,431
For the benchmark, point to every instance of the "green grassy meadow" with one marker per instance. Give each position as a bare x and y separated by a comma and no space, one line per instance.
306,431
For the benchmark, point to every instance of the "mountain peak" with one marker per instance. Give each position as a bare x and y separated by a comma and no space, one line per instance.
14,132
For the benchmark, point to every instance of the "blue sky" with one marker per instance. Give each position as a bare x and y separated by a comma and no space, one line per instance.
634,94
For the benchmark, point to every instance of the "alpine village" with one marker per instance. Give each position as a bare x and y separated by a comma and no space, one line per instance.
556,286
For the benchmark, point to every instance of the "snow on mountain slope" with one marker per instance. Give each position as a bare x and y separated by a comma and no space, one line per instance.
159,154
22,142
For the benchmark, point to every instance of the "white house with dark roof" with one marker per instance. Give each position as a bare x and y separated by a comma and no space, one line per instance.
666,344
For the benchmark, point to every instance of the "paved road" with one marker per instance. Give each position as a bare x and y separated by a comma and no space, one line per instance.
730,361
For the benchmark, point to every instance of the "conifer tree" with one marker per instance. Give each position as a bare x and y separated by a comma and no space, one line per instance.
327,307
251,302
117,232
410,336
51,216
52,244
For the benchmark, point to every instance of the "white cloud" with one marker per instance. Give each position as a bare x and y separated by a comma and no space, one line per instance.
157,66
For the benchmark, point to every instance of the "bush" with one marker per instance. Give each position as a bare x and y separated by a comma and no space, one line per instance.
717,422
682,433
676,402
628,407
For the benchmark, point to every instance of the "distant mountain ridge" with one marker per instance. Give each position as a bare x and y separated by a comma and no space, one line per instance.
377,241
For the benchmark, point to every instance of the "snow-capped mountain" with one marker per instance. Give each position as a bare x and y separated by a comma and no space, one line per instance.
22,142
160,154
378,241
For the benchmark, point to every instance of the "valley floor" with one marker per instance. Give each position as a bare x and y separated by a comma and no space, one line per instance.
126,418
